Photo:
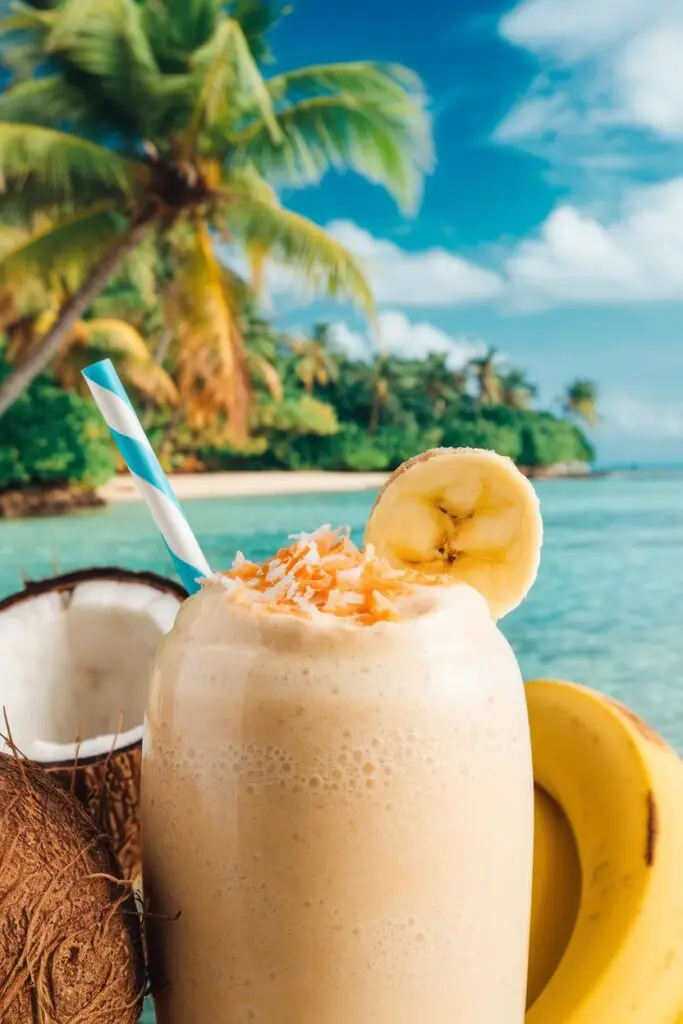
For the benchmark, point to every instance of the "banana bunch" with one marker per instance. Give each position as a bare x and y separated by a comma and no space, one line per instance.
607,911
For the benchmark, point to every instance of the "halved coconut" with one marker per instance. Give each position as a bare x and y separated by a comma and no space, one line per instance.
75,658
70,945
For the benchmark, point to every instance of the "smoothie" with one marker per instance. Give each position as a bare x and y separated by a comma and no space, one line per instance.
337,800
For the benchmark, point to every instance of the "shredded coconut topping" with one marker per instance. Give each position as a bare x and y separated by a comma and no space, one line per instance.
322,573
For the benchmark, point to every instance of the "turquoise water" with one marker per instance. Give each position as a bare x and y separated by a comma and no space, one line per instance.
607,609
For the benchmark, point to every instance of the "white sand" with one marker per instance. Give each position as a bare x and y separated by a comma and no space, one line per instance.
240,485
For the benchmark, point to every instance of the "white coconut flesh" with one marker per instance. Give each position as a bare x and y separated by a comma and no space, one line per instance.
75,666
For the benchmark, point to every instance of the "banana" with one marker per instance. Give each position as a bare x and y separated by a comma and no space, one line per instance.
556,892
620,787
465,513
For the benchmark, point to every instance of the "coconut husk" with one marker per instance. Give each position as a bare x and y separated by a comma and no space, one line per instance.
70,946
109,789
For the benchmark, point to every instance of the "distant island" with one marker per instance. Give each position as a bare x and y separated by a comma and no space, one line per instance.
311,408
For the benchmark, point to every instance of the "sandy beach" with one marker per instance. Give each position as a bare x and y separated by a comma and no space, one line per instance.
245,485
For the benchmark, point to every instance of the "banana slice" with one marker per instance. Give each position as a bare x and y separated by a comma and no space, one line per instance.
466,513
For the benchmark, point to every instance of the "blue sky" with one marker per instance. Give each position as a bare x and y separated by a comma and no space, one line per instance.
553,225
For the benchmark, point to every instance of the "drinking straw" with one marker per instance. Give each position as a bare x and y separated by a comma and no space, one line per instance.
151,481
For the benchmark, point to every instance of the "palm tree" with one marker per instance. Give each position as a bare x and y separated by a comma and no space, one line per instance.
389,377
25,322
440,385
167,127
516,392
580,400
90,340
264,350
486,377
315,362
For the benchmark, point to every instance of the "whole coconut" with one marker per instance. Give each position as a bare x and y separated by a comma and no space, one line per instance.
70,949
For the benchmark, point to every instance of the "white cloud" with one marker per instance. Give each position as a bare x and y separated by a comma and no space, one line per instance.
428,277
400,336
608,68
578,29
355,345
650,72
636,256
632,254
626,416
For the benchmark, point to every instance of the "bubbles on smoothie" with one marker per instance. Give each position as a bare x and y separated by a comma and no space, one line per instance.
360,764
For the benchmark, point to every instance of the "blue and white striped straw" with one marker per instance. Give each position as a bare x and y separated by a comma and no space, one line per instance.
151,481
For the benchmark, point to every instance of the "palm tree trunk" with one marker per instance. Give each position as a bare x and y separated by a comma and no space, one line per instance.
373,422
72,310
160,353
163,345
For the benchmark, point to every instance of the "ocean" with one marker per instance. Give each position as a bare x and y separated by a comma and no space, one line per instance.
606,610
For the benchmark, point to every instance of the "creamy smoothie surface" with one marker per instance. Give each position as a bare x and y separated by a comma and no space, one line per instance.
337,799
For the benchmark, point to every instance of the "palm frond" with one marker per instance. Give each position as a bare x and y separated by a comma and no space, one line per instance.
229,81
32,293
62,251
24,17
179,27
62,164
389,144
261,368
251,213
106,39
111,337
365,80
210,358
23,33
114,336
11,237
42,101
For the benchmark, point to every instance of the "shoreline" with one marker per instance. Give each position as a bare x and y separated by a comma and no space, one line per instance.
269,483
37,501
253,484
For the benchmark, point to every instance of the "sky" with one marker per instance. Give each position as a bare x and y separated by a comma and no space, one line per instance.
552,227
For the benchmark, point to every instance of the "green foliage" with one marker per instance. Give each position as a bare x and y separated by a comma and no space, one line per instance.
296,417
547,441
53,437
356,450
580,401
338,414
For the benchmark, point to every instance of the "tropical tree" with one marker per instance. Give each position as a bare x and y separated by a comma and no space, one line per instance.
27,317
315,362
91,340
395,389
440,385
487,380
516,392
580,400
152,117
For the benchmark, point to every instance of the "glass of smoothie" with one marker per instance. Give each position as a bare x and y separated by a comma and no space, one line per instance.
337,794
